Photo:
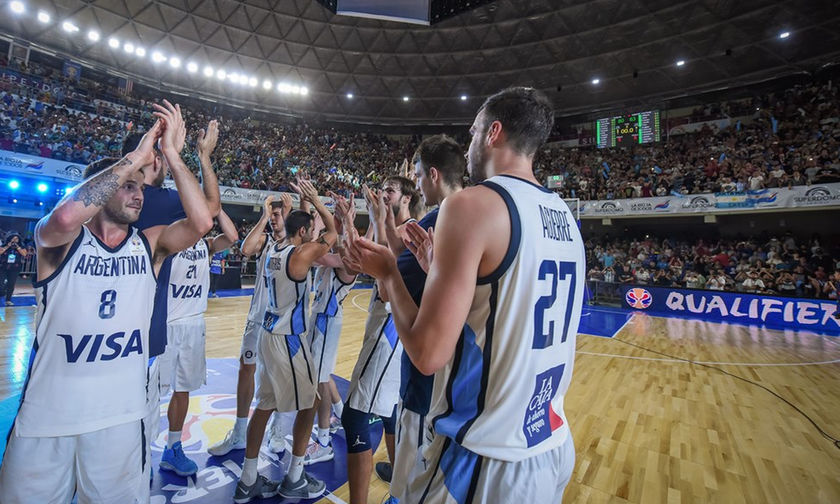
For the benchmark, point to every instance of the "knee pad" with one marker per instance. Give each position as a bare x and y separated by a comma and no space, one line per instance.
356,430
390,423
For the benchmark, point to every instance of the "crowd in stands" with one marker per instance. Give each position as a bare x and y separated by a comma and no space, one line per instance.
790,138
780,266
774,140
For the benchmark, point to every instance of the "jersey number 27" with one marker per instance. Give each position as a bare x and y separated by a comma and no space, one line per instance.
554,272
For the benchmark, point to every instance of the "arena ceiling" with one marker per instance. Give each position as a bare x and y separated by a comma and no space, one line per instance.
560,46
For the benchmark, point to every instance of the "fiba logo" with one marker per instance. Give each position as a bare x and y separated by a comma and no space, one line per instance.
638,298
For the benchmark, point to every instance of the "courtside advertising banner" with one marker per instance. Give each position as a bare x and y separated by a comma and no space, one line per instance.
776,312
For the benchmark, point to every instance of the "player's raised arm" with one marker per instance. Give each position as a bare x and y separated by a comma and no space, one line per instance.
63,224
255,239
308,253
183,233
229,234
207,140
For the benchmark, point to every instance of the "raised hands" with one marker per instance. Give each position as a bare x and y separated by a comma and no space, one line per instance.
145,150
306,190
208,138
174,132
267,205
421,243
366,256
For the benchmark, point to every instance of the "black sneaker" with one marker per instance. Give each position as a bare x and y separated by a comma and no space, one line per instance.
384,471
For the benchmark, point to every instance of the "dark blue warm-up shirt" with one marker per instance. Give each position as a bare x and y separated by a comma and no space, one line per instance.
415,387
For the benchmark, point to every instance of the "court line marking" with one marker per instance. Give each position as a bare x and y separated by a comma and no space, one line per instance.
333,498
356,304
631,317
713,363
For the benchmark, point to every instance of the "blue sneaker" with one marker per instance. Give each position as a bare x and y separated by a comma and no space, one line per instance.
174,460
392,500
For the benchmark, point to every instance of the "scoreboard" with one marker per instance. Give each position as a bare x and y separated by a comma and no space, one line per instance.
625,130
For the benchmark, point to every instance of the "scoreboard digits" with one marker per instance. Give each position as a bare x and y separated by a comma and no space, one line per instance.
625,130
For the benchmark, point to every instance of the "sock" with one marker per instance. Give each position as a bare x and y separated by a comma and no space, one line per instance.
324,436
241,426
174,437
295,469
338,407
249,471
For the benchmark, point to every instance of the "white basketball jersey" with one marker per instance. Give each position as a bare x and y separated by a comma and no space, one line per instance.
187,279
288,300
87,369
256,311
330,292
501,395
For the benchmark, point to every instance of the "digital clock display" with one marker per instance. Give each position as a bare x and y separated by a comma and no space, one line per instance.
626,130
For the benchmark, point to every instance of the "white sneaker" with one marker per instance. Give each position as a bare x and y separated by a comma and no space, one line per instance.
316,452
230,442
277,441
335,424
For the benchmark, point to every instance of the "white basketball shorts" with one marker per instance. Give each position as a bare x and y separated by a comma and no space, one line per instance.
454,474
285,375
101,467
184,361
324,333
250,341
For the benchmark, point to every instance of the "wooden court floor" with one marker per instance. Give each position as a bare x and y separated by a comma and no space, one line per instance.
647,428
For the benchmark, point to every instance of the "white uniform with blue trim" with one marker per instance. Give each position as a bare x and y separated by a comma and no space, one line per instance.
375,383
256,312
186,278
285,374
500,432
78,427
327,317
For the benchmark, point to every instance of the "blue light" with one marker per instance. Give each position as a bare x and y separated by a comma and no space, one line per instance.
14,184
42,187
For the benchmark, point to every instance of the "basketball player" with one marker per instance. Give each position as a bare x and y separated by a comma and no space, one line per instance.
375,382
257,241
79,428
490,326
162,206
332,284
439,168
284,366
184,280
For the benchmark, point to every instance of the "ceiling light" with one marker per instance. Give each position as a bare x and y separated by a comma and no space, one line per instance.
17,7
266,84
784,35
680,62
192,67
252,82
112,42
221,74
295,89
233,77
208,71
596,81
304,90
157,57
128,47
463,97
349,96
71,28
140,52
405,98
174,62
43,17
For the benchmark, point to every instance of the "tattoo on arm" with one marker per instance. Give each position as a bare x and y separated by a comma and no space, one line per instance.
322,241
99,190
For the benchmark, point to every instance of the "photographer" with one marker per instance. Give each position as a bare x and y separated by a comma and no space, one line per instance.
12,254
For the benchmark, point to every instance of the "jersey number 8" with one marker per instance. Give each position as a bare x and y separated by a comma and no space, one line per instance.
106,306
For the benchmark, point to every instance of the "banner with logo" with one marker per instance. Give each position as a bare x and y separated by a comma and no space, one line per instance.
25,164
27,80
776,312
781,198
